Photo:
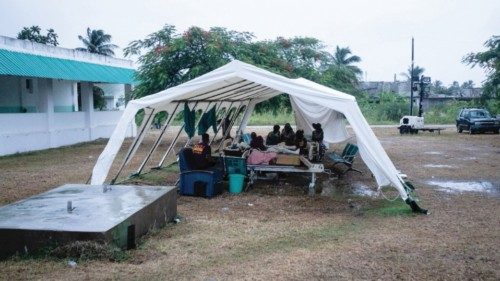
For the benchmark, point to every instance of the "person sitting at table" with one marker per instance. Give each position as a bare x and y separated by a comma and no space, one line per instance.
288,135
202,153
257,142
317,136
274,137
301,142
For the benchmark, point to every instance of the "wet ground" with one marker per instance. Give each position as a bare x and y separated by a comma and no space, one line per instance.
347,231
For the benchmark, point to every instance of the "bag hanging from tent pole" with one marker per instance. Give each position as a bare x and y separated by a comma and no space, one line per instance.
189,120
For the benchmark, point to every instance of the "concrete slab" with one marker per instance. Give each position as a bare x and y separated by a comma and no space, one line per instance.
115,214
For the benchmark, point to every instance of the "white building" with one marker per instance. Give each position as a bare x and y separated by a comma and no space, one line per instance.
46,95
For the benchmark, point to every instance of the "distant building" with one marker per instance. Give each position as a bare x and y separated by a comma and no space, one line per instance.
375,88
46,95
402,88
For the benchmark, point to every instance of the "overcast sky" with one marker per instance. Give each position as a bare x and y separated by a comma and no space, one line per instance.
378,31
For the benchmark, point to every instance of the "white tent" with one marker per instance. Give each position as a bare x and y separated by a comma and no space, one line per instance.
239,84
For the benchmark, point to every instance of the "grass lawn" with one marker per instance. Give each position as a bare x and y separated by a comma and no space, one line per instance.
276,231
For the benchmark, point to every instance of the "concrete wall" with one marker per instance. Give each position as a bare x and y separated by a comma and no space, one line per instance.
16,96
22,132
62,92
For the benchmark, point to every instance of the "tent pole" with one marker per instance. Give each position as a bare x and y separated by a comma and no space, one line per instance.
220,125
158,140
230,126
239,132
133,146
174,141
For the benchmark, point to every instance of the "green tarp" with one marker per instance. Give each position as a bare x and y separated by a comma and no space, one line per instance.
208,119
189,119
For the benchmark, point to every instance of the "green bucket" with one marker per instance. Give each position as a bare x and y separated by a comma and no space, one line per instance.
236,183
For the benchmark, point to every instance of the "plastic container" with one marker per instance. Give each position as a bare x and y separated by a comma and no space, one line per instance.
236,183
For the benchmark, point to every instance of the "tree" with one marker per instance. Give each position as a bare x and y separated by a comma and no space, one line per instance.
97,42
489,61
439,89
342,57
99,101
33,34
168,58
467,85
417,72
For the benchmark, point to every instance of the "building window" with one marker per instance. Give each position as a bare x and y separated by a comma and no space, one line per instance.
29,86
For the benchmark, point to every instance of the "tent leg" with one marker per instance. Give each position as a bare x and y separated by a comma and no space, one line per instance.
174,141
415,207
220,125
237,138
312,184
133,146
230,126
158,140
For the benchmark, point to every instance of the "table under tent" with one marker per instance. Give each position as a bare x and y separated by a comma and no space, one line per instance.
240,86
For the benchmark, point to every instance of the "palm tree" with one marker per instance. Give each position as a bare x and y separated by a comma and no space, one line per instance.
417,72
97,42
342,58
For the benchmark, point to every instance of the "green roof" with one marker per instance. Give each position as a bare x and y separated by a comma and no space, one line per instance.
22,64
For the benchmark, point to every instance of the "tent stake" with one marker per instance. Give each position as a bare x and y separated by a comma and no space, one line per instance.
158,140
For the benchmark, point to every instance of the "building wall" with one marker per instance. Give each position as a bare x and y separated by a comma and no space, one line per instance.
35,131
63,95
49,119
9,94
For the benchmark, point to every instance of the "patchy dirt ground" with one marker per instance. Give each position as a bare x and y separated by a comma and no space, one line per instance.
276,232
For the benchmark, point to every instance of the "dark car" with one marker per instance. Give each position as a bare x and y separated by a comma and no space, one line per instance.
477,120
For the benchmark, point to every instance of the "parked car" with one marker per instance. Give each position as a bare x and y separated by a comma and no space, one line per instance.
477,120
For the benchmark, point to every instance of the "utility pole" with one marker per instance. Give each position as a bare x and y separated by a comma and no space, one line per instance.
411,76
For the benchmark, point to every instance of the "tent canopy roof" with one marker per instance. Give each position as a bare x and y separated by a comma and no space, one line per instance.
246,84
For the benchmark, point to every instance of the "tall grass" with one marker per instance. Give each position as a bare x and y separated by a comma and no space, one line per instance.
269,118
387,111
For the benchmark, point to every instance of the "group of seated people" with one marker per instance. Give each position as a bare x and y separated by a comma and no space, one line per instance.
294,143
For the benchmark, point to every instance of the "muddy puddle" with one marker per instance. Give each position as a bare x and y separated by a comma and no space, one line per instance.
354,188
438,166
434,153
467,186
